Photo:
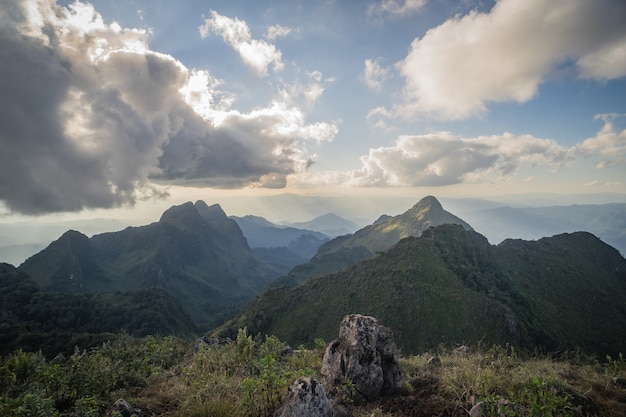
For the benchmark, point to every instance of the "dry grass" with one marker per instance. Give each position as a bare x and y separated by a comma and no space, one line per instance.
250,377
210,385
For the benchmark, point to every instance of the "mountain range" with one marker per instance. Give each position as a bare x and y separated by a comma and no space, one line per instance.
607,221
283,247
385,232
426,273
451,287
194,252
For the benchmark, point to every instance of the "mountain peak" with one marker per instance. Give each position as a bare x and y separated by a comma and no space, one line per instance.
213,212
428,203
177,212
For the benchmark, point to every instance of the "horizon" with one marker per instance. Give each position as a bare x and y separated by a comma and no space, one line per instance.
24,238
123,110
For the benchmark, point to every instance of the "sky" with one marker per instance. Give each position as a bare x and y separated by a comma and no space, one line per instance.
121,108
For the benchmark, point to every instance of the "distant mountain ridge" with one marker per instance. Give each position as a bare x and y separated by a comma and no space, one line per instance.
195,252
262,233
387,231
330,224
451,286
607,221
19,241
348,250
283,247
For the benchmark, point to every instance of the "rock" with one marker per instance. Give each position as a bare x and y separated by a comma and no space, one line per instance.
386,346
479,410
306,398
364,354
124,409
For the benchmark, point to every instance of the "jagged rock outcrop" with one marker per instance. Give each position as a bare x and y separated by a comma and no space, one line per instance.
306,398
364,354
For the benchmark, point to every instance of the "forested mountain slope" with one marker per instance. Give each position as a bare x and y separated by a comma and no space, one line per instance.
194,252
451,286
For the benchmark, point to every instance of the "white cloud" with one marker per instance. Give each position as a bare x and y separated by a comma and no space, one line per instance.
460,66
258,55
376,117
375,75
92,116
442,158
277,31
202,93
608,146
311,90
395,7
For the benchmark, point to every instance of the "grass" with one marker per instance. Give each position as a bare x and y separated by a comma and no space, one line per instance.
249,376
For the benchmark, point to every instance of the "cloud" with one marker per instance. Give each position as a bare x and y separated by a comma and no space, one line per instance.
441,158
277,31
460,66
310,91
256,148
395,7
90,117
256,54
608,146
375,75
376,117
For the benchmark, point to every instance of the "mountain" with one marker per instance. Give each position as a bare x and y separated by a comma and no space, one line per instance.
450,286
194,252
16,254
264,234
32,319
385,232
21,240
282,247
330,224
607,221
299,251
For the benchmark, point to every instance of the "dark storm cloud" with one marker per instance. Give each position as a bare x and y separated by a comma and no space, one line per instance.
90,116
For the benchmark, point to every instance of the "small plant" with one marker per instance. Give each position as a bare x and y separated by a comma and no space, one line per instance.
615,367
347,391
541,400
87,407
264,394
245,345
28,405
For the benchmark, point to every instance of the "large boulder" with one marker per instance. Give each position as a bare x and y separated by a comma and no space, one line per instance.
306,398
364,358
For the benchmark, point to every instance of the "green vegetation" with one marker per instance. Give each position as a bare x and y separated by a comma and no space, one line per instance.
194,251
249,376
451,286
349,250
53,322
